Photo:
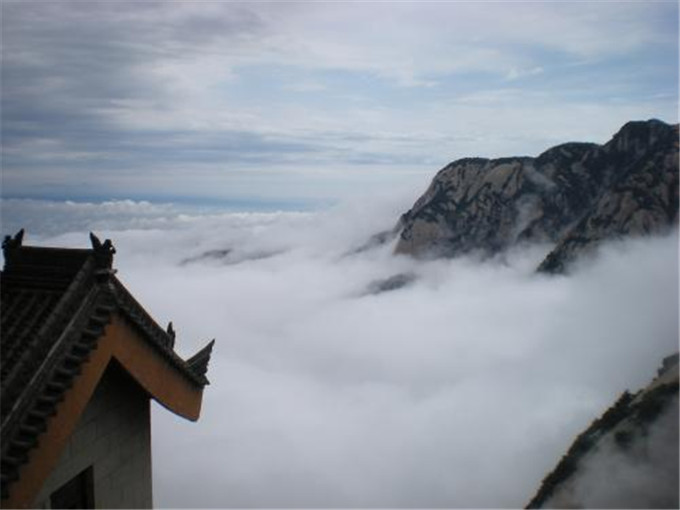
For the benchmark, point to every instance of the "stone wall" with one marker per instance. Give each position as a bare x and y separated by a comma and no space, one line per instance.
113,436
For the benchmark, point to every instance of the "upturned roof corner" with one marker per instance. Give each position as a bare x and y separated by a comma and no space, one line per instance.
198,363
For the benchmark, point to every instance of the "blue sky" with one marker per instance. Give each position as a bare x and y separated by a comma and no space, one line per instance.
309,102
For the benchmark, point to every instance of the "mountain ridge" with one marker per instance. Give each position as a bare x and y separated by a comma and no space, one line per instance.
635,439
573,195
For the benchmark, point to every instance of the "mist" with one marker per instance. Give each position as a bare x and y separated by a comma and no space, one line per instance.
462,388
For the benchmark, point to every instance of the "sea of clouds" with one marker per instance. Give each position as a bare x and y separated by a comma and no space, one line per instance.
461,389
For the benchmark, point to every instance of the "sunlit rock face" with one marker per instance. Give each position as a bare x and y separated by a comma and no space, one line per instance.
572,195
628,458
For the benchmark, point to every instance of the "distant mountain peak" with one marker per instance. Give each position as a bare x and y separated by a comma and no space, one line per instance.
573,195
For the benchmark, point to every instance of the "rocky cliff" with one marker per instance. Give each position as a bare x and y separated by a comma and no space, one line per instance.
573,195
627,458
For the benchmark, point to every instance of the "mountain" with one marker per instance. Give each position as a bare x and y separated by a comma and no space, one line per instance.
572,195
627,458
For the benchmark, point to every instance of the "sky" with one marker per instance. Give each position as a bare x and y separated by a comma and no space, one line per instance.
298,105
460,390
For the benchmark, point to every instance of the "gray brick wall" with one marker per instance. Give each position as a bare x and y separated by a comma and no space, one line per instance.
113,435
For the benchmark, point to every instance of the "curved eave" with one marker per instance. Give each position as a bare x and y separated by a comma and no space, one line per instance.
158,378
155,335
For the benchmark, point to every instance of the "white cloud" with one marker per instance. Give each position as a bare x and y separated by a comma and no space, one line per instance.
461,390
515,73
418,40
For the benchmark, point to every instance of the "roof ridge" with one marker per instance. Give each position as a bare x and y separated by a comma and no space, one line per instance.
56,322
53,376
161,338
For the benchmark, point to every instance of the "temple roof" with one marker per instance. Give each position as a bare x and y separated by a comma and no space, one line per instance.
55,306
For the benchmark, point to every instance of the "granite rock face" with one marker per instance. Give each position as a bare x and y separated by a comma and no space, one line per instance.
573,195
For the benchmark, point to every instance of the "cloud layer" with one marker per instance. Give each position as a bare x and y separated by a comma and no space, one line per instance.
461,389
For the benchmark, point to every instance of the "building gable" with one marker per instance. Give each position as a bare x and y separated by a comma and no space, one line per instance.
65,319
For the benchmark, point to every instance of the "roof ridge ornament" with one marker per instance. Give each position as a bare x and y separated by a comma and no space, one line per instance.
11,244
198,363
103,255
171,335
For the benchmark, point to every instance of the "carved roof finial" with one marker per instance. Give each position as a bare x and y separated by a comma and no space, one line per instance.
13,242
103,252
9,244
171,335
198,363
